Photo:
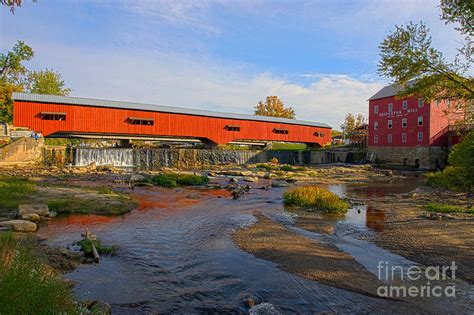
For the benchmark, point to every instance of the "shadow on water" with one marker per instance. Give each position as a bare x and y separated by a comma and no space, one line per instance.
176,256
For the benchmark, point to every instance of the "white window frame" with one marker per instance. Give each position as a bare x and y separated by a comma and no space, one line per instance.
420,136
404,137
389,138
389,124
390,107
404,122
376,139
420,103
405,104
376,109
376,125
420,121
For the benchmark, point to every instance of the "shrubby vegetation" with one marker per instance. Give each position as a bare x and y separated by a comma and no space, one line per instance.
86,247
443,208
317,198
174,180
28,285
460,174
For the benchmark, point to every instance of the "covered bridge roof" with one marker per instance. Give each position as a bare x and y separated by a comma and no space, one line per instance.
55,99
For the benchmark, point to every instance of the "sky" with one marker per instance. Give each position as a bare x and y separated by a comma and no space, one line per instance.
319,56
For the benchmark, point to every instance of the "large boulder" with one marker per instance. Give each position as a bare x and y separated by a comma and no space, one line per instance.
20,225
39,209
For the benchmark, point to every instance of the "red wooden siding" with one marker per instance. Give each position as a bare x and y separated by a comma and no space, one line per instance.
113,121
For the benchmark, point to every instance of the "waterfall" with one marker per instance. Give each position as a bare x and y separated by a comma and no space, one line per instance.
106,156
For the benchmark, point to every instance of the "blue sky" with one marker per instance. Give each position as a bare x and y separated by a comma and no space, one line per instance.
319,57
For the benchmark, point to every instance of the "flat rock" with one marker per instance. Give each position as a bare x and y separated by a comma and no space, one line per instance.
33,217
39,209
137,178
52,214
251,179
20,225
277,183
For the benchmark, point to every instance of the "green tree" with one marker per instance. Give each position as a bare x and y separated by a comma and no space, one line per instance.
47,82
274,107
13,76
408,58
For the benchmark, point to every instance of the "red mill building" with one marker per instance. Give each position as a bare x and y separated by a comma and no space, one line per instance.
409,131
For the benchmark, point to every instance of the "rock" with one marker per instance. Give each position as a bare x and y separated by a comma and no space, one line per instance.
52,214
260,174
33,217
214,186
137,178
99,307
279,184
233,180
263,309
193,196
39,209
245,173
251,179
20,225
212,174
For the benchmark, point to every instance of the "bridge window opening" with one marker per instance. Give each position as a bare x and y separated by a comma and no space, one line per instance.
280,131
232,128
52,116
141,121
319,134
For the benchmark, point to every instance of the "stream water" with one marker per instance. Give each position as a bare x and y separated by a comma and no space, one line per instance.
176,255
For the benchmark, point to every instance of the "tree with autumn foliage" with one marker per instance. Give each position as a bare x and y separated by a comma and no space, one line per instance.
274,107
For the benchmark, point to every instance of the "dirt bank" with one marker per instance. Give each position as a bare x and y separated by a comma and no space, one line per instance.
408,232
307,258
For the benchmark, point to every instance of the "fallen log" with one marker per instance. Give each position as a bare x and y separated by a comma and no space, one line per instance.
95,253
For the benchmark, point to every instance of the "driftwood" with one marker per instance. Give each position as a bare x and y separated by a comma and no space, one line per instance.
88,236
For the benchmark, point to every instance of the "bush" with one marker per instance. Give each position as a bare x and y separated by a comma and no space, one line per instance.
86,247
452,178
27,285
287,168
266,167
443,208
173,180
316,198
460,175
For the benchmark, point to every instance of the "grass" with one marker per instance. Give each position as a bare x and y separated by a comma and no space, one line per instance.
70,204
28,285
279,146
14,191
316,198
86,247
174,180
444,208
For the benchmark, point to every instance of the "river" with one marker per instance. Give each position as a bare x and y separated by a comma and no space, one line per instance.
176,254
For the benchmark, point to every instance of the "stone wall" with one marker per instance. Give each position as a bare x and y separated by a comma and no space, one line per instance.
185,158
22,150
422,157
335,156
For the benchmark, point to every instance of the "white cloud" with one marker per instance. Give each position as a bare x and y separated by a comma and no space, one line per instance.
175,80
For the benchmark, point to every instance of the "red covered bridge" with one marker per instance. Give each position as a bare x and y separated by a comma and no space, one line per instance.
59,116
